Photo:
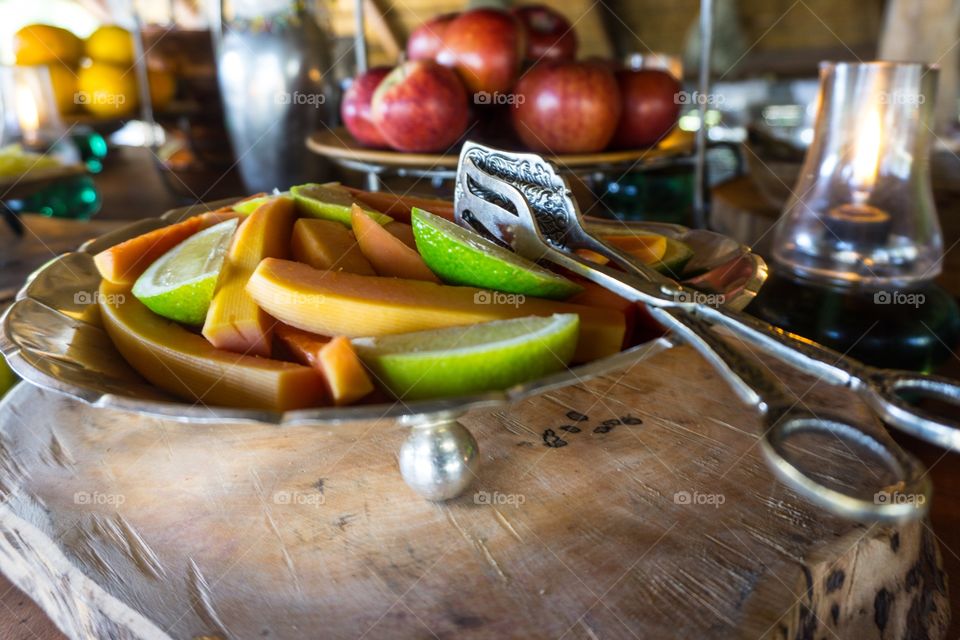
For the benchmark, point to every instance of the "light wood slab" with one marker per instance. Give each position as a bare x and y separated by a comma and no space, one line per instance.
128,527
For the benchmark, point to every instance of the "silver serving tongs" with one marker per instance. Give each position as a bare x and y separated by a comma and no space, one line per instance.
521,201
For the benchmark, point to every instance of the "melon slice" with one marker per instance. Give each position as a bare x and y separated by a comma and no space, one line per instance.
234,321
339,303
389,255
125,262
187,366
324,244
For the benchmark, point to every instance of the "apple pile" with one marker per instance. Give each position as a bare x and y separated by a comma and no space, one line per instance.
482,64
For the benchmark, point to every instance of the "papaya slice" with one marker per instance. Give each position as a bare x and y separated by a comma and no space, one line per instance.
402,232
303,345
347,380
187,366
335,360
647,247
324,244
125,262
597,297
234,321
389,255
340,303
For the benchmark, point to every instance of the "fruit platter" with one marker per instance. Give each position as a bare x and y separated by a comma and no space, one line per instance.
326,305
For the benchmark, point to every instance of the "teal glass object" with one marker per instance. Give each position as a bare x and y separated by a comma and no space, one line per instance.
657,194
76,198
93,149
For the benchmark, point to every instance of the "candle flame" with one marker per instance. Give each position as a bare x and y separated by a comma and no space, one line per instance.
28,113
866,153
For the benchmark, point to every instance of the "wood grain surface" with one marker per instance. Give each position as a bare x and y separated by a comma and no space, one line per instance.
635,505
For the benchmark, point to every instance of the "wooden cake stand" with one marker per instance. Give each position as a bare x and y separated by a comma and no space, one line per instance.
632,506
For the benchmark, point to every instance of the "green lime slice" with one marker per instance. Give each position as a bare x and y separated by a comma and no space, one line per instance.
249,206
7,377
481,357
460,256
180,284
674,259
330,201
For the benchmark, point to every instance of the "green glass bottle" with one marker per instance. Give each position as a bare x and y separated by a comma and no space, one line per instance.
75,197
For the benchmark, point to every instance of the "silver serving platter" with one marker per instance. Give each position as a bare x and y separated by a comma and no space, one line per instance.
52,337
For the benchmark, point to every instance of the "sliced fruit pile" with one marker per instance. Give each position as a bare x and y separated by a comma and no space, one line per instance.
328,296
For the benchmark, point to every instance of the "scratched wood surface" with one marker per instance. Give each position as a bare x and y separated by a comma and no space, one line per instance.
635,505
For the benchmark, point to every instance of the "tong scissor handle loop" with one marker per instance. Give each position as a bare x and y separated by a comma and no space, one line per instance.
884,391
906,499
783,419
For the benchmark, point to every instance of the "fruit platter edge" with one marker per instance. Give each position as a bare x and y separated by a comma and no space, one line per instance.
52,337
337,144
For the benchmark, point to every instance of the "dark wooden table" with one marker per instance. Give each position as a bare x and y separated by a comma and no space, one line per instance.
20,619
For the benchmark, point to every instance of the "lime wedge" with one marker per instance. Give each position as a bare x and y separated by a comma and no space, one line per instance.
180,284
330,201
7,377
247,207
674,259
471,359
460,256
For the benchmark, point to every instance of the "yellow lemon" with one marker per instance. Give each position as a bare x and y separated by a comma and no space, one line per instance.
163,86
112,44
45,44
107,90
64,80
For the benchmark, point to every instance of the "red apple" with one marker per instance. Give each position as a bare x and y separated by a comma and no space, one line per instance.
356,106
421,107
650,107
426,40
486,47
550,36
566,107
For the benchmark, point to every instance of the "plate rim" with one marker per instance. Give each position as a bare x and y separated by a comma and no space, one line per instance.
333,143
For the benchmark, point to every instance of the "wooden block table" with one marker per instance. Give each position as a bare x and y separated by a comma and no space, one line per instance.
634,505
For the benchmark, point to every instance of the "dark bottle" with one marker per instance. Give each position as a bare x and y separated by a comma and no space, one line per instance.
916,328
